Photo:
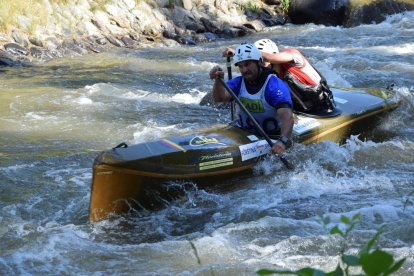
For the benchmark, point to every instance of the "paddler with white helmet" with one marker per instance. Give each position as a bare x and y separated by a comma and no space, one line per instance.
264,95
310,88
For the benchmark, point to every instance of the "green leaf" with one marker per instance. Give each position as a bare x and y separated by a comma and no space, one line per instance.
310,272
376,262
337,272
350,260
302,272
270,271
345,220
336,230
265,271
395,267
356,216
368,246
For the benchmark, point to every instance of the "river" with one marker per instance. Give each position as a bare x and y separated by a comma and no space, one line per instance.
55,118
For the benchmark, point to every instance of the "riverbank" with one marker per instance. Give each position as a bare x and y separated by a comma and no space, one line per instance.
48,29
77,27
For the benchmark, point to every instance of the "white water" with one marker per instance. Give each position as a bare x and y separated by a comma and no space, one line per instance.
55,118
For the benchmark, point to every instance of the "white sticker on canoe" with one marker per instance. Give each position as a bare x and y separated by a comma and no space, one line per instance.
340,100
253,138
255,149
305,124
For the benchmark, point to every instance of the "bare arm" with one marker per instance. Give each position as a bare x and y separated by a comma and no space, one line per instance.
218,92
286,117
277,58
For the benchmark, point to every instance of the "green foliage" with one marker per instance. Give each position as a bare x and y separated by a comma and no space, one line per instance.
251,6
350,224
35,10
374,262
285,6
98,5
301,272
11,10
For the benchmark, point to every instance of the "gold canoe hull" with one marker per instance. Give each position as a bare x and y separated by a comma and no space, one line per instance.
129,178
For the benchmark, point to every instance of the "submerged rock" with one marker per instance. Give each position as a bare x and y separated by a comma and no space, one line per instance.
346,13
375,11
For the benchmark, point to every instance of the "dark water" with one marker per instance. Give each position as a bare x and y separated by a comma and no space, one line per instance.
55,118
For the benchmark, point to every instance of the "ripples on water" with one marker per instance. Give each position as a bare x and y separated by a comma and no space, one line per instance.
56,117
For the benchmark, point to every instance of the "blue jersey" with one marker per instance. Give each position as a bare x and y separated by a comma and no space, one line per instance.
272,91
262,101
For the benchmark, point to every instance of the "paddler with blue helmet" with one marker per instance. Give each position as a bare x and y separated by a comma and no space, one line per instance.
263,94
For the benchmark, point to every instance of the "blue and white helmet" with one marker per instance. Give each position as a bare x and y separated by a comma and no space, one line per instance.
246,52
267,46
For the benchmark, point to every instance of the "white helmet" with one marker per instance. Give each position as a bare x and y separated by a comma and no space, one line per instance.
267,46
246,52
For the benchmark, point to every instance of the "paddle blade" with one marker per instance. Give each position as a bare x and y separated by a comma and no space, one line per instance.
287,164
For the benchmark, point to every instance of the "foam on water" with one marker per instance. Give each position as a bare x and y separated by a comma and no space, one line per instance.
15,168
203,65
69,175
83,101
153,132
53,252
40,116
194,97
400,49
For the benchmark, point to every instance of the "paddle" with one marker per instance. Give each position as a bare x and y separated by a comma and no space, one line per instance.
259,129
229,76
228,64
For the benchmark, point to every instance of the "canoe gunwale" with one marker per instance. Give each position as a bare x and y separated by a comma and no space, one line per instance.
342,125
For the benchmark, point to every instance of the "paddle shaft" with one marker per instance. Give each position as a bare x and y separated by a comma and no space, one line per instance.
228,64
229,76
255,123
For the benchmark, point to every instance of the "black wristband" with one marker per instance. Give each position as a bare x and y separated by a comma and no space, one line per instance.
286,141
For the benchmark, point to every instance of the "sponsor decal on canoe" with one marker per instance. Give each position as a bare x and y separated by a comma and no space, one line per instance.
216,164
215,156
195,141
305,124
253,138
199,141
255,149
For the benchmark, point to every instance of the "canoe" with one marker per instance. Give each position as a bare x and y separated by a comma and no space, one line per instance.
131,177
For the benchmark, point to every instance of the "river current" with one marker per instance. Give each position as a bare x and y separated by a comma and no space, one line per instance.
56,117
